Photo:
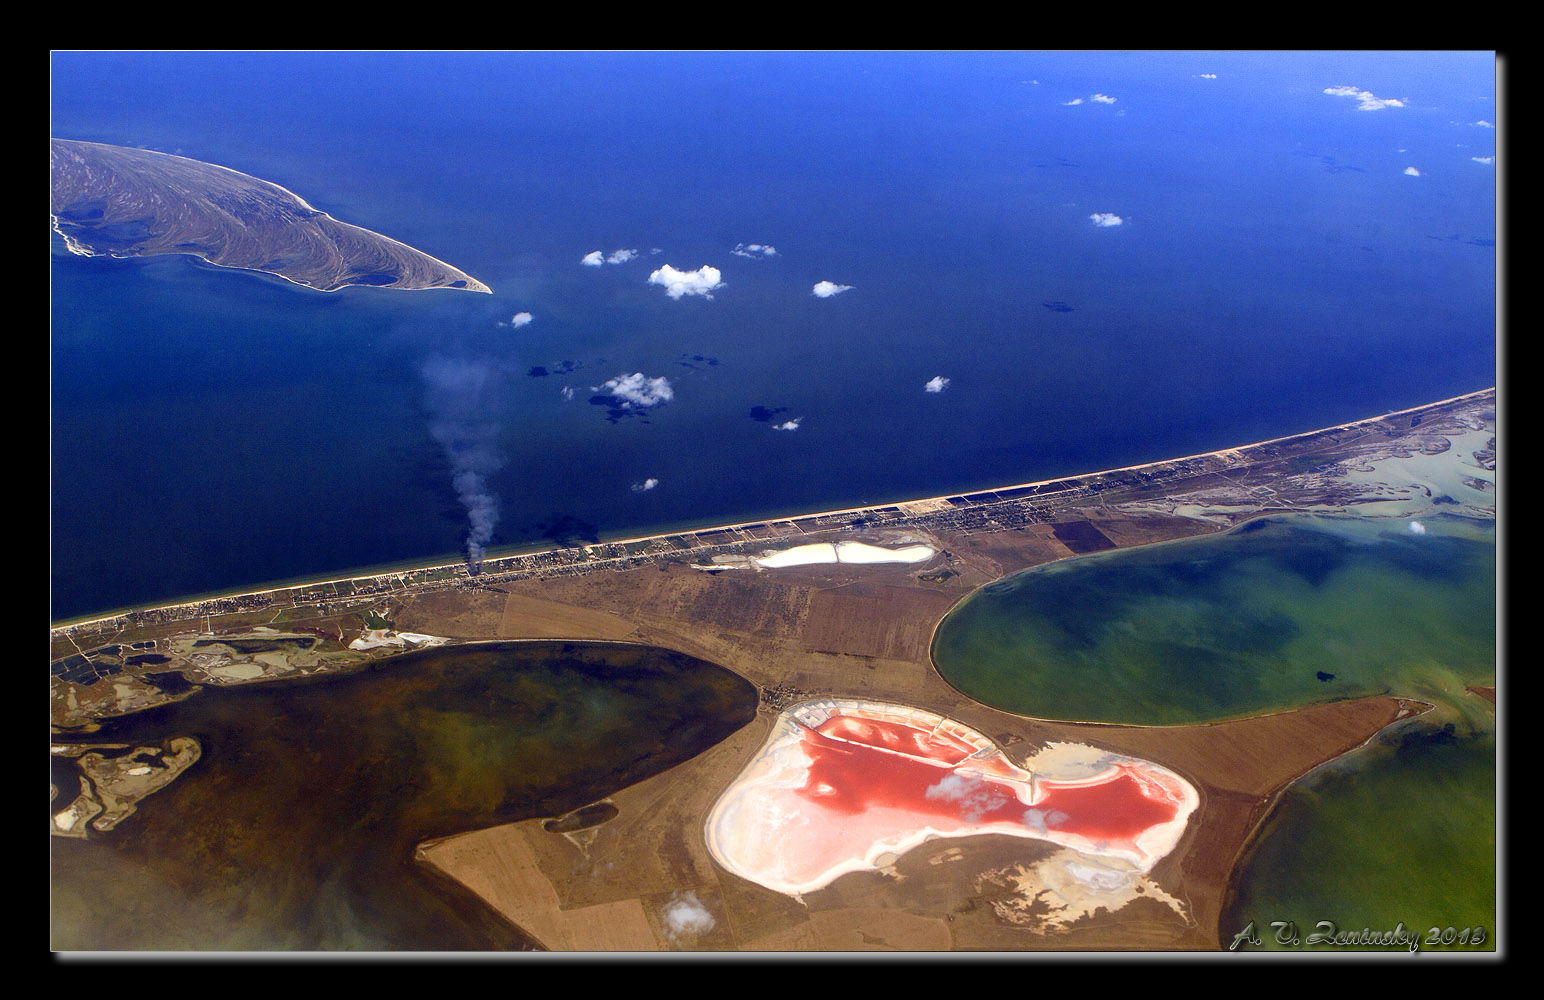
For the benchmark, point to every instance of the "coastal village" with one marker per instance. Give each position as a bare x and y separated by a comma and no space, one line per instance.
1309,472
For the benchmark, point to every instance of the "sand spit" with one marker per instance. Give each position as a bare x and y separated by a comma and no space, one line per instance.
120,202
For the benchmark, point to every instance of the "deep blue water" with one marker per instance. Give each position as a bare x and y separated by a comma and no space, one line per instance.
1277,270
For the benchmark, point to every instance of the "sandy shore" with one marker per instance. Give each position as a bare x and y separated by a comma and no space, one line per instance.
918,508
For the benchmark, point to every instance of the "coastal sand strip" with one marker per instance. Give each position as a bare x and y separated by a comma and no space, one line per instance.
930,502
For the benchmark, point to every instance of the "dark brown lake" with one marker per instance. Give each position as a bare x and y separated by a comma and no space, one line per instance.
296,828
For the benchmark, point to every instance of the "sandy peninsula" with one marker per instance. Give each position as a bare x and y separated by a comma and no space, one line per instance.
122,202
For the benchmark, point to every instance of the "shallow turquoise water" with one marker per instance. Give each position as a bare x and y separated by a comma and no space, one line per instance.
1281,613
1405,833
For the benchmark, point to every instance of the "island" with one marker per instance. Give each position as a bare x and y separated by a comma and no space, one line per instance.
123,202
948,824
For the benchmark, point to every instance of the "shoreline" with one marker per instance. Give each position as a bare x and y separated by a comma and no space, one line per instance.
920,505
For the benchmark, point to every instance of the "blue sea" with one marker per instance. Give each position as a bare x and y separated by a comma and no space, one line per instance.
1095,259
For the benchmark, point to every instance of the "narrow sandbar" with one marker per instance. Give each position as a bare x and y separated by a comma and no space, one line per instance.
120,202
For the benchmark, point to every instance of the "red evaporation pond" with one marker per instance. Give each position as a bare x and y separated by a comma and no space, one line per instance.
852,777
1114,810
853,774
897,736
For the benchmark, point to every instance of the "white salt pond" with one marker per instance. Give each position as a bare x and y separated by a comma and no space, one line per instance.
843,552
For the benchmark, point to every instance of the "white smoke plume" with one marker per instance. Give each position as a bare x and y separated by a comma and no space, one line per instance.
459,394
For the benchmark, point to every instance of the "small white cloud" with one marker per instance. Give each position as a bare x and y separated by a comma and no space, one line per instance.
1102,99
826,289
638,389
1365,99
1106,219
520,319
936,384
1483,159
684,918
678,283
788,425
1075,101
568,392
647,484
1482,123
1207,76
595,258
1411,171
1417,528
754,250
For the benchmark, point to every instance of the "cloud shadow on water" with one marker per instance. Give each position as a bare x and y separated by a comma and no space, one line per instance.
568,531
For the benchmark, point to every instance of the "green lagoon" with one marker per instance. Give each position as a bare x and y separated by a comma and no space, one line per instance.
1401,832
1280,613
